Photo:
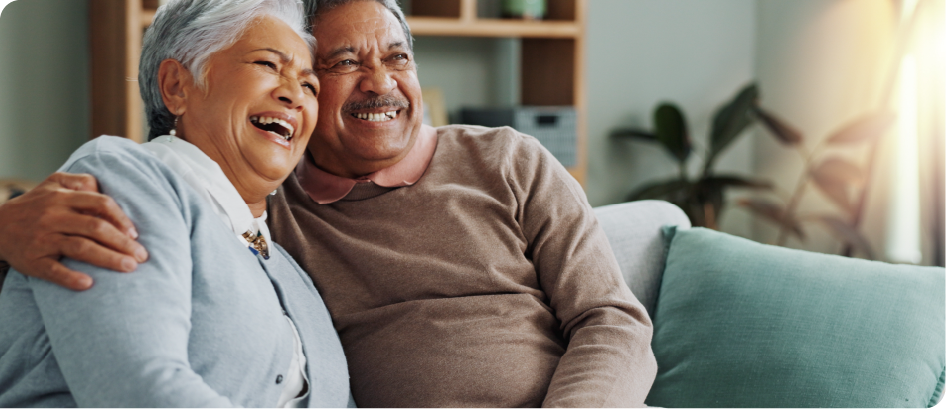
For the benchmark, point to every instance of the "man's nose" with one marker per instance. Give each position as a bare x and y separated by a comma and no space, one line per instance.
378,81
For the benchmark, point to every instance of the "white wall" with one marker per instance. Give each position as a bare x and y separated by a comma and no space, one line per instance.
696,53
471,72
44,91
821,63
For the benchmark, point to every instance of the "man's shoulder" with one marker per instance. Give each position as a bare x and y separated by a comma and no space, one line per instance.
500,134
465,139
492,155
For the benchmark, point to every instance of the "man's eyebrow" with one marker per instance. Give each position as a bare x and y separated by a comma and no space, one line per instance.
396,44
340,50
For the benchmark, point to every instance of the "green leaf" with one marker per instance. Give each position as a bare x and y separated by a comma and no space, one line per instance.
835,177
775,213
731,120
784,132
847,233
659,190
865,128
634,133
671,130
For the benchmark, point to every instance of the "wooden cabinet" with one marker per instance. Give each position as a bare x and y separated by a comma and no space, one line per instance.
552,57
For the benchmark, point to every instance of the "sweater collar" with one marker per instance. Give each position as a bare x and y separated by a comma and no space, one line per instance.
326,188
206,177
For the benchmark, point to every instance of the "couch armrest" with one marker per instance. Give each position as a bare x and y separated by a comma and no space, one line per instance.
633,229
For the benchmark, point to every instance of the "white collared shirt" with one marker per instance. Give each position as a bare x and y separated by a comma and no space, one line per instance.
206,177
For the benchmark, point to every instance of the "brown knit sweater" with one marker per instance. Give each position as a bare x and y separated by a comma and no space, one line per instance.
487,283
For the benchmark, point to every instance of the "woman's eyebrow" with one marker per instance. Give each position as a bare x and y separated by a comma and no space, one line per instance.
282,56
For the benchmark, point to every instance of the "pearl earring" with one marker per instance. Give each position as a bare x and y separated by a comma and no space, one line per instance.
173,131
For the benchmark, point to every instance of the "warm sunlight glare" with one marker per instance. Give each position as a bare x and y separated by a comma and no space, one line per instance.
907,8
903,238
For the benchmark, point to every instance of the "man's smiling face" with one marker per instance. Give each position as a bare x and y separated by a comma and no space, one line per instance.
370,109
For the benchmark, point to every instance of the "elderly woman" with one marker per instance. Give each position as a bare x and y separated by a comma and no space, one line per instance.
219,315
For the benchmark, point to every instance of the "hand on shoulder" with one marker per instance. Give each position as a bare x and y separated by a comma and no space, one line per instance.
66,216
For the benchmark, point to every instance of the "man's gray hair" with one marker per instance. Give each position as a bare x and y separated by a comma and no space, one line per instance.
315,8
190,31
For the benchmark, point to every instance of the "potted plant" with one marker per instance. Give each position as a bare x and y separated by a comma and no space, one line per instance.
703,197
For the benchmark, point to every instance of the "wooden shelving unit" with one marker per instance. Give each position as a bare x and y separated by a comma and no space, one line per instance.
552,49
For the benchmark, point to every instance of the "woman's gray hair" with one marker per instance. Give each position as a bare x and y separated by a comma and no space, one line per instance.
315,8
190,31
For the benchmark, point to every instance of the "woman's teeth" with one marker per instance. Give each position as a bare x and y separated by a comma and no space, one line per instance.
380,117
274,125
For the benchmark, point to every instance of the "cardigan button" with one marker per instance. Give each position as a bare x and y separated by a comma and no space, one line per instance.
278,379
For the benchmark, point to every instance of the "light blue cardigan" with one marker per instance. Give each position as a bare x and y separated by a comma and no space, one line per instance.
199,324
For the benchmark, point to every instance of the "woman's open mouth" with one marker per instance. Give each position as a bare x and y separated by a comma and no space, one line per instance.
276,126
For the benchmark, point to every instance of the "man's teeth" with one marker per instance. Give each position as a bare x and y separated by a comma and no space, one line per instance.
265,120
380,117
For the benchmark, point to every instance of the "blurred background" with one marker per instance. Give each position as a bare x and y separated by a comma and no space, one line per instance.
814,124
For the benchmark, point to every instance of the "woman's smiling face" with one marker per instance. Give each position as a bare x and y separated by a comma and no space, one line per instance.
257,108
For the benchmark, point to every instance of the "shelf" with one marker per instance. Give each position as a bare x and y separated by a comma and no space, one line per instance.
452,27
147,16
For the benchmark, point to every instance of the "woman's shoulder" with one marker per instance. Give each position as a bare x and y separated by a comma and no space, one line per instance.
128,172
115,160
109,146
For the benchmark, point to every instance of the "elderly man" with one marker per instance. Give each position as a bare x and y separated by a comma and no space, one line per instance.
462,265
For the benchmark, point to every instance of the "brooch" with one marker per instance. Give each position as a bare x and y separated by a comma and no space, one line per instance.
257,244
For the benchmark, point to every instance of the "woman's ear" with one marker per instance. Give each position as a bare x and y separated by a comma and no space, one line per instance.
176,84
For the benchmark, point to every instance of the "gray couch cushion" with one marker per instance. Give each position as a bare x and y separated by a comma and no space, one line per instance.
634,231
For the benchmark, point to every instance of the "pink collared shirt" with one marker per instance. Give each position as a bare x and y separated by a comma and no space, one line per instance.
326,188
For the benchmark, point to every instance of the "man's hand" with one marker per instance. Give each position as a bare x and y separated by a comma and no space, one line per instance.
66,216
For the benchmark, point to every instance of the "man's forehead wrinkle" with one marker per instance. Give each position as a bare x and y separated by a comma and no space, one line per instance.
341,50
376,26
371,26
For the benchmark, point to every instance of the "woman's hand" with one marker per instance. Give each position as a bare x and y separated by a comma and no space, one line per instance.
65,216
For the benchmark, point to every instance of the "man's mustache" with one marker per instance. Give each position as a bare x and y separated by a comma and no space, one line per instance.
381,101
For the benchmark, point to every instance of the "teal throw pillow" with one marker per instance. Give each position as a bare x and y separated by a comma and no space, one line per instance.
742,324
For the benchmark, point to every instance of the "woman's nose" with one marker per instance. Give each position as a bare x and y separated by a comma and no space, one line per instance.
290,93
378,81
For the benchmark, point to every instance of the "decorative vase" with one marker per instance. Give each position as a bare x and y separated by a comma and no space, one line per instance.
524,9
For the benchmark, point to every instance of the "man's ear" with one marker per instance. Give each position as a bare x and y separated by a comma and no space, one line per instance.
176,84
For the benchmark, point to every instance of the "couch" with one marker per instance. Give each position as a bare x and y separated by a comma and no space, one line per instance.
741,324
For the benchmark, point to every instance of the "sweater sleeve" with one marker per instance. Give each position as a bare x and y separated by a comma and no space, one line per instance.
124,342
608,361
